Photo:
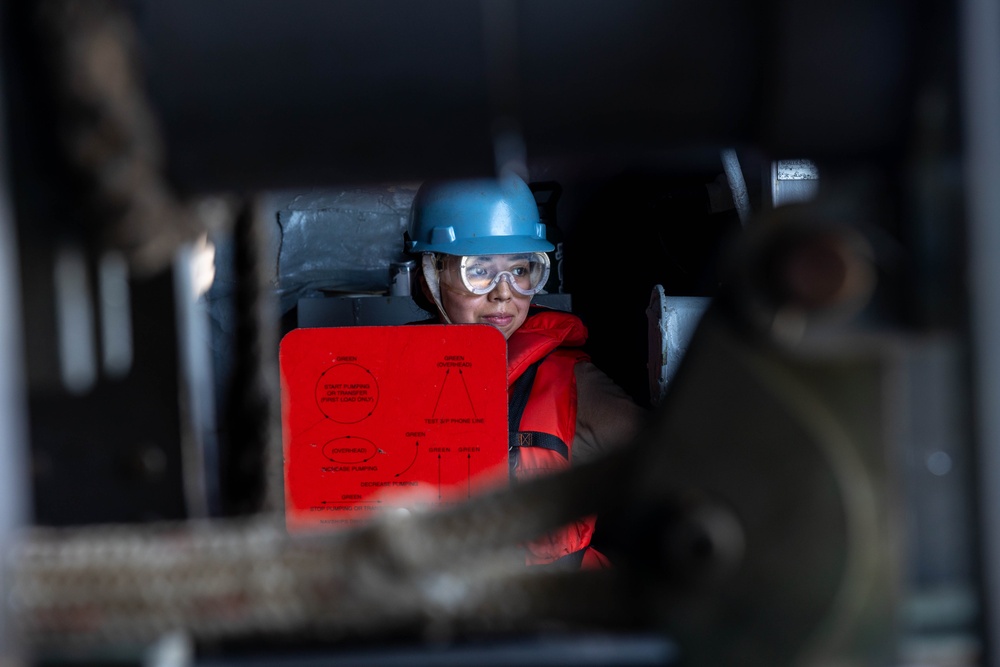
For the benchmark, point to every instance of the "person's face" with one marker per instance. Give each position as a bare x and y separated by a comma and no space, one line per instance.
503,307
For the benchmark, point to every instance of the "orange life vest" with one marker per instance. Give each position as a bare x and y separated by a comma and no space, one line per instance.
548,346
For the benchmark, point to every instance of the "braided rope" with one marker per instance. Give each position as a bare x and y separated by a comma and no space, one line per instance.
442,572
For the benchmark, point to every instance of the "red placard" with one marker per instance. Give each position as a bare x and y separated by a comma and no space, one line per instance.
388,418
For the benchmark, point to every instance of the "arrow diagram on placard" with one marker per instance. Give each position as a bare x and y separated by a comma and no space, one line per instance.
301,433
467,394
440,394
465,387
416,450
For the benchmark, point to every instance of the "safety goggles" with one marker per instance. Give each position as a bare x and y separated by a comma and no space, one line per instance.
526,273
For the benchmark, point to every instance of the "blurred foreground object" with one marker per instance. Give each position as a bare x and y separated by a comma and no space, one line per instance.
760,539
756,522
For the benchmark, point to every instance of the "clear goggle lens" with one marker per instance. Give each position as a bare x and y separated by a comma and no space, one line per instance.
525,272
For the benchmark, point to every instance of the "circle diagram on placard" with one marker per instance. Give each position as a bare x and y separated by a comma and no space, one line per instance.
382,419
347,393
350,449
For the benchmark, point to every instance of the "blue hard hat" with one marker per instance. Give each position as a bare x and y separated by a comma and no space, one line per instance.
476,217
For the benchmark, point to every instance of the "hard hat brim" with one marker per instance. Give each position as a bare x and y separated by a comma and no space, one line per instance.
491,245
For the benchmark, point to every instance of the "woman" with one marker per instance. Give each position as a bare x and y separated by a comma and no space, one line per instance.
483,257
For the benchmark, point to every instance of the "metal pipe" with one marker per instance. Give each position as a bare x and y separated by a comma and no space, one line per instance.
734,174
14,491
980,66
